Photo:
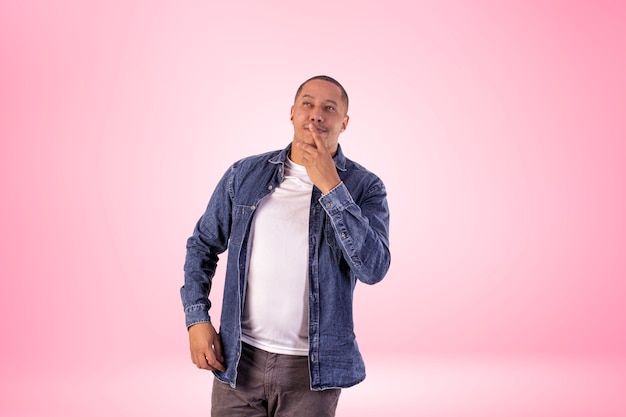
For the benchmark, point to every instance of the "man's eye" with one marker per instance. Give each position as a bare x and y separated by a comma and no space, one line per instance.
306,104
330,108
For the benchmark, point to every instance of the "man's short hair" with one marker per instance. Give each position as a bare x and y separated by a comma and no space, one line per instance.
344,95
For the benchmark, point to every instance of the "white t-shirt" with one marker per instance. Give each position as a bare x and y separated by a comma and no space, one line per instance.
276,308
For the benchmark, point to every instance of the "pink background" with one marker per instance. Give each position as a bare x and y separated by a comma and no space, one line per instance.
498,127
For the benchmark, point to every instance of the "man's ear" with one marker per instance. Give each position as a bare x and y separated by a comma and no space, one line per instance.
291,114
344,125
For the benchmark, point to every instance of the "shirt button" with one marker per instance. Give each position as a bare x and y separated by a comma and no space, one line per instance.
269,187
327,204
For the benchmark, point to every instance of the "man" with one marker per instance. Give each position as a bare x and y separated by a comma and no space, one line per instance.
301,225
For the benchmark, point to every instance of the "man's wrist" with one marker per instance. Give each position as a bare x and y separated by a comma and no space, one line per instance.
331,189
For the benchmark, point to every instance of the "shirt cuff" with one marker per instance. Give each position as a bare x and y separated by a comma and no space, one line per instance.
197,313
337,199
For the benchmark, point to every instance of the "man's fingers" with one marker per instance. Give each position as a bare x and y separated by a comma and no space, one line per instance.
214,363
215,357
208,361
200,361
316,138
217,347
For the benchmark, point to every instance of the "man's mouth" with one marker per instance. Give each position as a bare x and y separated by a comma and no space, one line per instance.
317,129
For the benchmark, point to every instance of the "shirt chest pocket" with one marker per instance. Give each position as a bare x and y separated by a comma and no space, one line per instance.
242,211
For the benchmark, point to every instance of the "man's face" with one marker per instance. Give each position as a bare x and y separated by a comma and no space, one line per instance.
320,104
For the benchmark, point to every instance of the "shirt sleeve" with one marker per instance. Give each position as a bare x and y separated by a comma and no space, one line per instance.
362,230
209,239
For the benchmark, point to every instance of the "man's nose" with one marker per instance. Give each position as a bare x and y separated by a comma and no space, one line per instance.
316,117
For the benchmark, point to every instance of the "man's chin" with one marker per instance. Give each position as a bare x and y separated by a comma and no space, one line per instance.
306,137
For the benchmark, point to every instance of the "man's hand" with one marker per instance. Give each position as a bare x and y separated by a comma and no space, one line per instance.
206,347
319,163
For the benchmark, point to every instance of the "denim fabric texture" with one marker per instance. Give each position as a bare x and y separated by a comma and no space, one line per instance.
348,242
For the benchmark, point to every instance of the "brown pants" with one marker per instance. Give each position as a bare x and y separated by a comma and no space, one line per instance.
272,385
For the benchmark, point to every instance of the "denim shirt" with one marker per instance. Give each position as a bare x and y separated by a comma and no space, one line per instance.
348,242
